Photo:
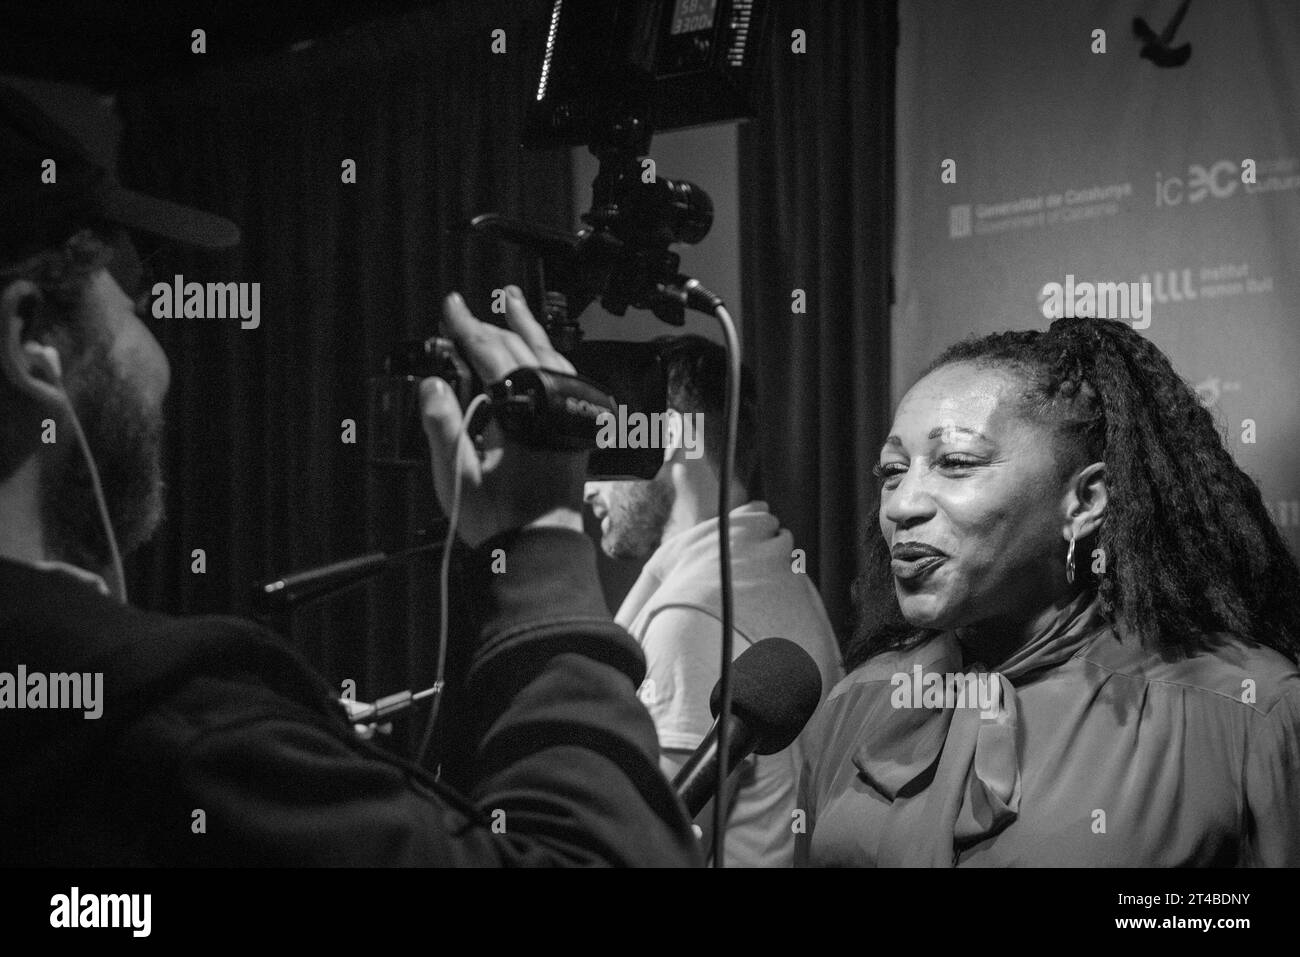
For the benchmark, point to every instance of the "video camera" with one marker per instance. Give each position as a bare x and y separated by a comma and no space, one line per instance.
610,73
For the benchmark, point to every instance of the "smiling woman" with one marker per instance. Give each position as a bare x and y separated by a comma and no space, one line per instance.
1059,517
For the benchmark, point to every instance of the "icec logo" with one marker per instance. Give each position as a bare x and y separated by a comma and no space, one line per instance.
1220,181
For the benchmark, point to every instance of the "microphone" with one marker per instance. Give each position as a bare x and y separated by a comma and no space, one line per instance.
284,593
776,687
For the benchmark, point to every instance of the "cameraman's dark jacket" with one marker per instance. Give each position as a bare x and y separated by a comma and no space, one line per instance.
207,715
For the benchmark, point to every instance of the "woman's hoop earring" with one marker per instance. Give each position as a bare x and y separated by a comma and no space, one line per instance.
1069,561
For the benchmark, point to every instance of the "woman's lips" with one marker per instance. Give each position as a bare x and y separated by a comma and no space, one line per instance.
912,568
911,560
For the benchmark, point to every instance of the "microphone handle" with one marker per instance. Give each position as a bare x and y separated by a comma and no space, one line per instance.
288,591
296,585
696,783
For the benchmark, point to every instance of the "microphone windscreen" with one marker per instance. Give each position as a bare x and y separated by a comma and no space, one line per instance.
775,688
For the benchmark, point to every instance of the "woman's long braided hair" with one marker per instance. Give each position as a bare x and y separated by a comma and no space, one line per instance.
1189,548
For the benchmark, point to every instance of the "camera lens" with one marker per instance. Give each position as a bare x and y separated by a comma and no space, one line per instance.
692,211
663,212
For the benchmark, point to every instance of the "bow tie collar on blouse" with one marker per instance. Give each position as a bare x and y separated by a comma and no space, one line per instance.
969,755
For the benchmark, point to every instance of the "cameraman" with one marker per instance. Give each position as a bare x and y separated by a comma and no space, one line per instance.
205,742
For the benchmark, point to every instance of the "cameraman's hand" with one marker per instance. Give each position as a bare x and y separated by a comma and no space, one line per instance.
504,485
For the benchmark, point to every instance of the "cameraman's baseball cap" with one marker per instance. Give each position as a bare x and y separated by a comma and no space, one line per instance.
35,214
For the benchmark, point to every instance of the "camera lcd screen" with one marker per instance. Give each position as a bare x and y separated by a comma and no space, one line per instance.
690,16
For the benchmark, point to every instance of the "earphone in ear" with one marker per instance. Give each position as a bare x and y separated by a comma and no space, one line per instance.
35,369
43,362
29,365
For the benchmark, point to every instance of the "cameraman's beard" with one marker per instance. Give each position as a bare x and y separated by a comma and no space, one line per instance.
638,513
125,438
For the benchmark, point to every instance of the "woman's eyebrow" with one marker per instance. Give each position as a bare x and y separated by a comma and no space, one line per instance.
939,430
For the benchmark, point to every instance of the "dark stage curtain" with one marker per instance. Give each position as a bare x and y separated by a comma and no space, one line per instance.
260,478
817,202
